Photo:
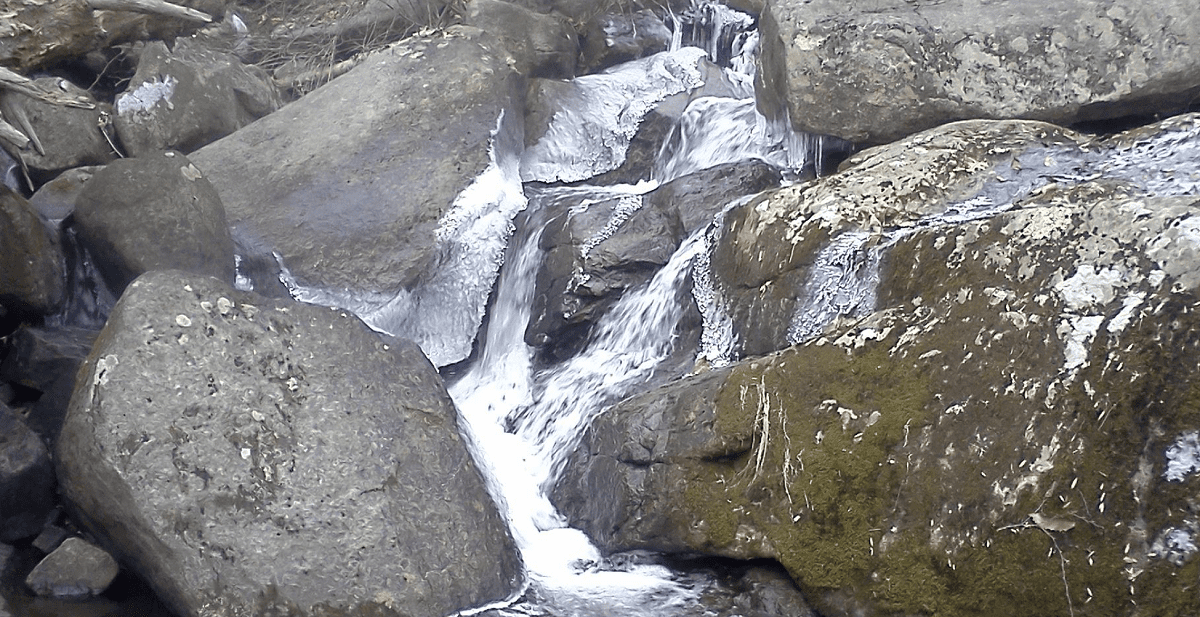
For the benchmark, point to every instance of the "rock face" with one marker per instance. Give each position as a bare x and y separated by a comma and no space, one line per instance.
592,257
1023,386
154,212
187,97
342,162
31,261
247,455
874,73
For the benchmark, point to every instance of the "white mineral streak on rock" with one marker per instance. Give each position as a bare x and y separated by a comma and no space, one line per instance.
590,131
1128,306
1175,545
1183,457
145,97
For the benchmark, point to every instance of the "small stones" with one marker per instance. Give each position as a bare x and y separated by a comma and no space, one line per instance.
74,571
183,321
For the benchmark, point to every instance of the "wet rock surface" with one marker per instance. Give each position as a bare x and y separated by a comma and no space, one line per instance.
592,257
877,73
154,212
247,455
1023,388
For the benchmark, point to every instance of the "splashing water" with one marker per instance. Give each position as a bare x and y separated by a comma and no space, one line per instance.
522,426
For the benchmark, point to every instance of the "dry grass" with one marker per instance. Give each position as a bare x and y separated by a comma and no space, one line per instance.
304,43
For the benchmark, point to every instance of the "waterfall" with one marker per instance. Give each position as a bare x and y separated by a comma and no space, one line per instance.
520,420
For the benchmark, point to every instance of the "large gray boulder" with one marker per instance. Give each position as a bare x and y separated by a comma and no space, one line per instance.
153,212
348,184
384,190
874,72
247,455
1010,428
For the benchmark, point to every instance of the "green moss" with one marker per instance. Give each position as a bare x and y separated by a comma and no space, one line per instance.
833,491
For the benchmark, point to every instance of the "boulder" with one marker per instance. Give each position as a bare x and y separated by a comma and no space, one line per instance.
246,455
700,196
622,35
873,73
46,360
61,137
1010,429
26,479
594,252
189,96
353,185
55,200
76,570
31,261
542,45
153,212
766,252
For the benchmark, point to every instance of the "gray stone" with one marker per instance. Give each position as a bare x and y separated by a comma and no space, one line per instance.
874,72
189,96
1022,386
37,356
622,35
55,200
51,537
62,137
26,479
592,257
245,455
700,196
31,261
154,212
542,45
369,163
76,570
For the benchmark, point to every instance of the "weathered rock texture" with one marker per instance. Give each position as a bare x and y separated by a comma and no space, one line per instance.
188,97
1012,430
874,72
154,212
76,570
348,184
246,455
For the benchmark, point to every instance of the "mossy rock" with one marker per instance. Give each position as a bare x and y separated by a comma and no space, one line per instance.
1015,430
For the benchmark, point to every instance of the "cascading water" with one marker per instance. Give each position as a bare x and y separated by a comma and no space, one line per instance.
521,421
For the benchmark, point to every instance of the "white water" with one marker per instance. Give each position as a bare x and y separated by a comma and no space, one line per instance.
522,426
520,423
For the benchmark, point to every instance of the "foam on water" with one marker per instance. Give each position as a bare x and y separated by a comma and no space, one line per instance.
521,426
